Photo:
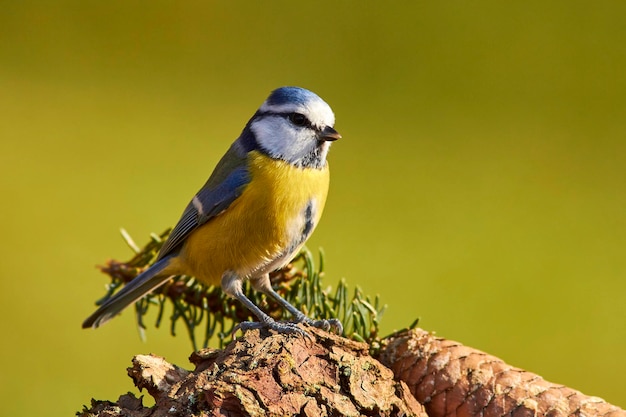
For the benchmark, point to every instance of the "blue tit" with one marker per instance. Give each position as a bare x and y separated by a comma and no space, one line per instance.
255,212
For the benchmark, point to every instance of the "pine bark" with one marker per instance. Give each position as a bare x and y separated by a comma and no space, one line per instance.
414,374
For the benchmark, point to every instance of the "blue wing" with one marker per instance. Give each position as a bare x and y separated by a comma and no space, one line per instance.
226,183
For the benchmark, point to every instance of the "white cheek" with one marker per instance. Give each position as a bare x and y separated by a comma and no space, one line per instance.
302,144
269,136
282,140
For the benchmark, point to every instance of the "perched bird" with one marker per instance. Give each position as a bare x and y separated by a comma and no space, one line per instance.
258,207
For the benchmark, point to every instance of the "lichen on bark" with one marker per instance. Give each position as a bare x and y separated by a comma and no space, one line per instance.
268,375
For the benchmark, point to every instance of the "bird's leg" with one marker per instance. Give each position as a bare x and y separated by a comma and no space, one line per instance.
231,285
263,284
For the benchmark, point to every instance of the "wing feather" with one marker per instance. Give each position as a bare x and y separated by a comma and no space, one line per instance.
225,185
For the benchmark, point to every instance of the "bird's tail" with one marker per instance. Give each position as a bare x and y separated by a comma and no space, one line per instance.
145,282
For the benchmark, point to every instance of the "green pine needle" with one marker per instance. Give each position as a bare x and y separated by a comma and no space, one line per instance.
208,312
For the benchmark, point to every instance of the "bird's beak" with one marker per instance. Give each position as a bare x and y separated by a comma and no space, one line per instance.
328,134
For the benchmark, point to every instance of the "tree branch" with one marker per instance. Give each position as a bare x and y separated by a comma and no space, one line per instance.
268,374
278,375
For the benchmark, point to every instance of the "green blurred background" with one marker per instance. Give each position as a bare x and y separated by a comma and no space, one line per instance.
480,184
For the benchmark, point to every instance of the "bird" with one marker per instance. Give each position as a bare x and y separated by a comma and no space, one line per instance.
259,206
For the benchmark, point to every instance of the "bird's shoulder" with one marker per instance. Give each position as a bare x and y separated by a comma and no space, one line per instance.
224,186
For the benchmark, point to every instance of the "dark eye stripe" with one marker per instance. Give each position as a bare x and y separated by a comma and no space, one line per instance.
288,116
299,119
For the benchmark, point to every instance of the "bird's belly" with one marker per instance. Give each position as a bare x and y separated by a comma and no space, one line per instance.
263,228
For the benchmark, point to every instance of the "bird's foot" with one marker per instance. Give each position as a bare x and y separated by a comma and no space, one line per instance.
290,327
285,327
325,325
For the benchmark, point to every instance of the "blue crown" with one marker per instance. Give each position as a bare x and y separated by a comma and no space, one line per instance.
284,95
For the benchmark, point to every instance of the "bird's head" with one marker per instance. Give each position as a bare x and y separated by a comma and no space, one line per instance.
294,125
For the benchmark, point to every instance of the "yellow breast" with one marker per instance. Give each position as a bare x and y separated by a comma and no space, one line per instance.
262,229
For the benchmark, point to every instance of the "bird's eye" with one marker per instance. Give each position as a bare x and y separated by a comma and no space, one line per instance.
298,119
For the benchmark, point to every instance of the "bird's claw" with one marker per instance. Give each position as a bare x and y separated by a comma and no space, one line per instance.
285,327
288,327
326,325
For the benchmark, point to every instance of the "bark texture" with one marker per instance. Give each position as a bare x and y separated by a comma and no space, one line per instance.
268,375
263,374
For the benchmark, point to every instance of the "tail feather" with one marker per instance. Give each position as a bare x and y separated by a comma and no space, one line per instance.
144,283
